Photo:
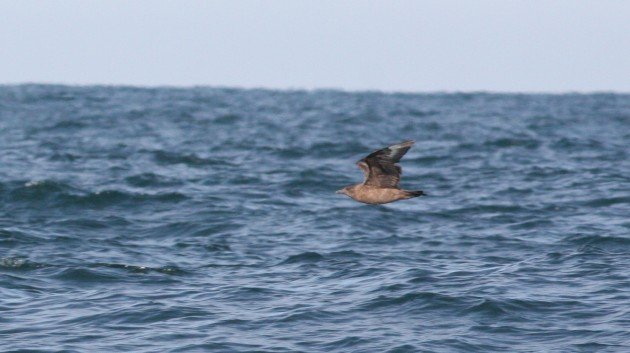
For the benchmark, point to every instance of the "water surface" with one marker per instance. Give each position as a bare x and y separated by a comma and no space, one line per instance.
205,219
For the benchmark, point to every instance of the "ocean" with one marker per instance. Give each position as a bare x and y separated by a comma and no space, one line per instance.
206,220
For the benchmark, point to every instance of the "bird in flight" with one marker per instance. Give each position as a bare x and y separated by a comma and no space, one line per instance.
382,175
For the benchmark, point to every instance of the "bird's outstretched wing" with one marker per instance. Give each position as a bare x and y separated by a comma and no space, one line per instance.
380,167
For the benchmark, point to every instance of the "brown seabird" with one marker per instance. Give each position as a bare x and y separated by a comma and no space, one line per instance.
382,175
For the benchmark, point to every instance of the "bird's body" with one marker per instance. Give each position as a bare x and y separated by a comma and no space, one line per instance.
382,175
377,196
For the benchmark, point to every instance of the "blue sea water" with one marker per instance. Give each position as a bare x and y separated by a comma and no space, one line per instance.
205,220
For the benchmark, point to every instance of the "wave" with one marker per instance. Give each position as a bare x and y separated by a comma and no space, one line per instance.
425,299
488,308
12,237
227,119
615,244
68,125
607,201
316,315
513,142
148,180
311,257
515,310
89,271
166,270
305,257
321,150
20,264
49,193
488,208
189,159
84,275
112,197
532,224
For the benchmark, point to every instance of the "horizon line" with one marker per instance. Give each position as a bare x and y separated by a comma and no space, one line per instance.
314,89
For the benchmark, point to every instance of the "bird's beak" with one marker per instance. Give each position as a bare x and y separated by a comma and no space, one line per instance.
339,191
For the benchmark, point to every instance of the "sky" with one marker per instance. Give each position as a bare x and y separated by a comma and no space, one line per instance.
389,45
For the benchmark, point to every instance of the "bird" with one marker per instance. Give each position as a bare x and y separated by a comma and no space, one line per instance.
382,175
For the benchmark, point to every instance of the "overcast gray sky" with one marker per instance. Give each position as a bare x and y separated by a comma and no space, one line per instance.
495,45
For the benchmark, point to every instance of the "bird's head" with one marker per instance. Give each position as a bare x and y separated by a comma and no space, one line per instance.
344,191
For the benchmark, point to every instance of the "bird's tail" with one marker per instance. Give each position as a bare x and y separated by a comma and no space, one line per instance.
414,193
